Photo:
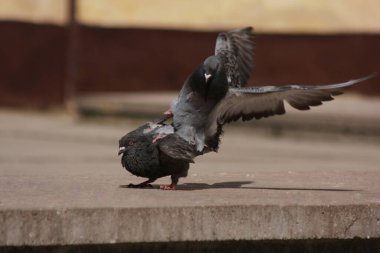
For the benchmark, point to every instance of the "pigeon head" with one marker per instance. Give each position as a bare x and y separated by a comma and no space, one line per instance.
210,80
210,67
125,142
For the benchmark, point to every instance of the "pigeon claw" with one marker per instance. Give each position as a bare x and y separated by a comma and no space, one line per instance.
170,187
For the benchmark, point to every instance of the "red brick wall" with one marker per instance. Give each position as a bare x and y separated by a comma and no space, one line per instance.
32,60
32,64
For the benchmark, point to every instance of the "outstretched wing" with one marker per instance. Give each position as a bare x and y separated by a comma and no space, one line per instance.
235,48
258,102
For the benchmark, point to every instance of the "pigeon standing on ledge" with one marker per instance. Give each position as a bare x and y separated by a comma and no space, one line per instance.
145,157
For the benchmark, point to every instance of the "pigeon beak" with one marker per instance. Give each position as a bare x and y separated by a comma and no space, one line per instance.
207,76
121,150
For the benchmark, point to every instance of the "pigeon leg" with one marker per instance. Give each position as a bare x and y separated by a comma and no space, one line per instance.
170,187
168,113
144,184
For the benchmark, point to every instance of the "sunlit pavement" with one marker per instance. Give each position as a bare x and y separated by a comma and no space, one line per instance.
61,182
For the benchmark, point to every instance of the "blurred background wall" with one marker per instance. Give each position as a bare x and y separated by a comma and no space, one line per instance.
51,50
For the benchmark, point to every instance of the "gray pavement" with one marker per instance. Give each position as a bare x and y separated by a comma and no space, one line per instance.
61,182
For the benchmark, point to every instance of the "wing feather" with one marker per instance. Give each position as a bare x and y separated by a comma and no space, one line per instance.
235,48
265,101
177,148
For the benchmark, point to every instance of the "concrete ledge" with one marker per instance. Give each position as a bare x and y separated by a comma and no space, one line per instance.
62,183
122,225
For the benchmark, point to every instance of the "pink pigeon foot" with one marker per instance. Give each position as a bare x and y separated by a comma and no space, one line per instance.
170,187
168,113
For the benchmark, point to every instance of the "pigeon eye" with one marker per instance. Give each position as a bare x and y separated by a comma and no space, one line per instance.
131,142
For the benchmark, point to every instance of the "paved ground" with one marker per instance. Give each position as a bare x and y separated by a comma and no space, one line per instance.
61,182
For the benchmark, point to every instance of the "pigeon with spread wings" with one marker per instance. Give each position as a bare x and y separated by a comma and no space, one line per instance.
234,52
209,83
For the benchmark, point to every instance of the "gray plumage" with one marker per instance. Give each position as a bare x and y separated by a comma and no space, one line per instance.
209,83
201,92
169,156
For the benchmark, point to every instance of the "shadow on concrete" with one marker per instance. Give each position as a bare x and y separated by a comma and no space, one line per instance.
240,185
203,186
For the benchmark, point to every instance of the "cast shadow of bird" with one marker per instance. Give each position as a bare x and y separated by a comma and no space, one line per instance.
245,185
